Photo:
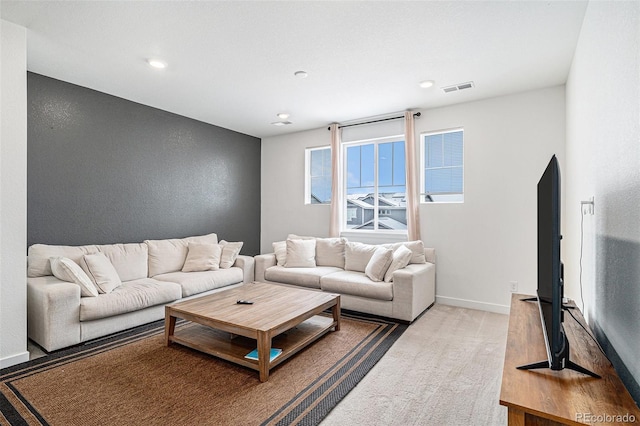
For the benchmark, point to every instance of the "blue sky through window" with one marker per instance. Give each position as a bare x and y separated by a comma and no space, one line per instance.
361,168
360,162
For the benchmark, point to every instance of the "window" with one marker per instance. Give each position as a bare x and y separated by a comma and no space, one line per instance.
376,185
442,177
318,185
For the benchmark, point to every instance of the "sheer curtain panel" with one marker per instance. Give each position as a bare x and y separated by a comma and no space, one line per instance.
337,199
413,189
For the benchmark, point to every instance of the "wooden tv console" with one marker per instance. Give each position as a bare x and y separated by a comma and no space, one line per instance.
565,397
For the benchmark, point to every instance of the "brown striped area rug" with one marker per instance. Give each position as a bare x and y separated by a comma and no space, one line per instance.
132,378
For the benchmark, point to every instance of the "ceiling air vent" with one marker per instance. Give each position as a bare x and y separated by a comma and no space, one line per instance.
457,87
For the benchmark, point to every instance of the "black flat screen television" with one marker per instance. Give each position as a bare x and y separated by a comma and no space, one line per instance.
550,291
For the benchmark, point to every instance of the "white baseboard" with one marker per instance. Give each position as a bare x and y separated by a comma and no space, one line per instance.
473,304
14,359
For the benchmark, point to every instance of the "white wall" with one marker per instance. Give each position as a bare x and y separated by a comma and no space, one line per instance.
13,195
603,160
490,239
283,209
481,244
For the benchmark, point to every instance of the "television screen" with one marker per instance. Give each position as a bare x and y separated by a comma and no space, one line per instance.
550,280
551,274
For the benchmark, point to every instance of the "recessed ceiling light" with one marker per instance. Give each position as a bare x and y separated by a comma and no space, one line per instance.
301,74
281,123
283,115
157,63
426,84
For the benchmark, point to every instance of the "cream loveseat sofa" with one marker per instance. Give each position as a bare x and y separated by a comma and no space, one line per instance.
130,284
390,280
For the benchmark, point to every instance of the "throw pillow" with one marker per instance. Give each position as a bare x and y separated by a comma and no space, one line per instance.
299,237
378,264
101,272
417,247
230,252
301,254
67,270
280,250
357,256
330,252
202,257
401,258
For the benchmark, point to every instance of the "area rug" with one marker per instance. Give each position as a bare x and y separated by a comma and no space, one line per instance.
134,379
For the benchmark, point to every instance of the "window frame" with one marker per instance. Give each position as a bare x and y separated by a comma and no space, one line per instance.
423,193
345,230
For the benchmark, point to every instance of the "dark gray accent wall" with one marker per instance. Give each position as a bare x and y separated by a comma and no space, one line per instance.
104,170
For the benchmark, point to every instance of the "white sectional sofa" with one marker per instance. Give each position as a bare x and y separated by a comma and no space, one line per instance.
139,279
363,275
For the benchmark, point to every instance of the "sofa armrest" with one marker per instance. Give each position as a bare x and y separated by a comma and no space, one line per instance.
430,255
264,262
246,263
414,290
53,312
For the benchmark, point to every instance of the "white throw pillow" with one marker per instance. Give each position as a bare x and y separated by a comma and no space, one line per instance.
67,270
401,258
280,250
202,257
357,256
330,252
299,237
230,252
417,248
101,272
379,263
301,254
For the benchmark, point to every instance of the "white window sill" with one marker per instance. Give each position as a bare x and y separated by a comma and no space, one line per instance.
374,237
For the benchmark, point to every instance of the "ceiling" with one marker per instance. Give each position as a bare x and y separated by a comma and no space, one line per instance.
232,63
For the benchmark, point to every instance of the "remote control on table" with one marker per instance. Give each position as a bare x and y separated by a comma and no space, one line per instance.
244,302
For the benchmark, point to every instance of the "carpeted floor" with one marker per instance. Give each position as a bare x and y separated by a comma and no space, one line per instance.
134,379
446,369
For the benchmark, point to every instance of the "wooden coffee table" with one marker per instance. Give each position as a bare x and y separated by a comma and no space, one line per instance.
286,316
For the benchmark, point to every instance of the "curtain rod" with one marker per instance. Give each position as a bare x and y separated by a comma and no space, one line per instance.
417,114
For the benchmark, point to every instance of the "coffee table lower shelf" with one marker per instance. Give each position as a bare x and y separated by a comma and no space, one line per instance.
233,348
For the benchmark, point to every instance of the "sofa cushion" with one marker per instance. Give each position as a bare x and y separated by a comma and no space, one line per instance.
305,277
379,263
280,250
170,255
101,272
130,260
230,252
357,256
301,254
416,247
130,296
68,270
330,252
202,257
401,258
197,282
39,255
356,284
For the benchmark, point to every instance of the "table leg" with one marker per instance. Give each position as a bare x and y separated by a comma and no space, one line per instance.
335,310
515,417
264,354
169,326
